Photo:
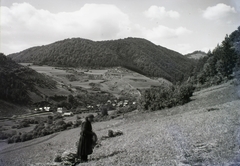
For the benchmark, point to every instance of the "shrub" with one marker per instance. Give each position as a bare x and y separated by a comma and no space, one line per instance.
157,98
60,122
77,123
110,133
58,158
69,125
104,111
15,139
4,135
26,136
182,94
10,140
57,116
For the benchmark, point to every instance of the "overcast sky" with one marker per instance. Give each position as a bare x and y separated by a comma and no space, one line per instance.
181,25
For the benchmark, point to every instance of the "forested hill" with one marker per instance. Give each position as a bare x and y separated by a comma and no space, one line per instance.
136,54
17,81
196,55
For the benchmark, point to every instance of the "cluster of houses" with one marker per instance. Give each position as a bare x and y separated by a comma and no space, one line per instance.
41,109
64,112
61,110
114,103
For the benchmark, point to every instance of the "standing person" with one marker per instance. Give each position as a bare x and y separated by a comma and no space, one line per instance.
85,144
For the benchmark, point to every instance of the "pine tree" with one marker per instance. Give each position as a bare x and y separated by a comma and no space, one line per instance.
228,56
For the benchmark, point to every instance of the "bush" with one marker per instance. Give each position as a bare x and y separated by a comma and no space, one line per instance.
69,125
60,122
104,111
4,135
77,123
182,94
157,98
26,136
57,116
10,140
14,139
58,159
110,133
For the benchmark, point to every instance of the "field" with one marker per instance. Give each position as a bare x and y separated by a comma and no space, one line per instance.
202,132
117,81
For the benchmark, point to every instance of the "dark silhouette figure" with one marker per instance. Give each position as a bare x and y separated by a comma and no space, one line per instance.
85,144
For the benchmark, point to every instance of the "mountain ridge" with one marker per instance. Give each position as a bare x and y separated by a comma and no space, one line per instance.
136,54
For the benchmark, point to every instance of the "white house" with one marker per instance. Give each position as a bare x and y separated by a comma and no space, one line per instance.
67,114
60,110
47,108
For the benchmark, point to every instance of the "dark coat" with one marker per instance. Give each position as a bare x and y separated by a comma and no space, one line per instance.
85,142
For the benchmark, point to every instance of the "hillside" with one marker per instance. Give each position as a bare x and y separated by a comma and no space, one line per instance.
18,83
196,55
135,54
204,131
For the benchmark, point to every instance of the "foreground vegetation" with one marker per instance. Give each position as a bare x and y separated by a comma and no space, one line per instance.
201,132
42,126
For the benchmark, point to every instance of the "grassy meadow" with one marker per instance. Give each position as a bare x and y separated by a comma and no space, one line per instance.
202,132
117,81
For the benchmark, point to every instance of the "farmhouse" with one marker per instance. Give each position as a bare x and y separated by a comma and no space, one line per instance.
67,114
47,108
61,110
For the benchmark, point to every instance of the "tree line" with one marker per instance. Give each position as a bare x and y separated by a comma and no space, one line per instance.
217,67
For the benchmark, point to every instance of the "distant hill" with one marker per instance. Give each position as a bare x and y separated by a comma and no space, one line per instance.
196,55
135,54
18,82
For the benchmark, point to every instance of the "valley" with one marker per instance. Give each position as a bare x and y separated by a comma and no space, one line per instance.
203,131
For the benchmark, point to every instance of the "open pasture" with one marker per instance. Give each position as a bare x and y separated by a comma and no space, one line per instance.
113,80
203,132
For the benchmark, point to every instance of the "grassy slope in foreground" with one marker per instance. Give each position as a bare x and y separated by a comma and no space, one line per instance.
205,131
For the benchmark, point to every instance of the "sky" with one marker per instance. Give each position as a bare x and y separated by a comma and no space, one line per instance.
180,25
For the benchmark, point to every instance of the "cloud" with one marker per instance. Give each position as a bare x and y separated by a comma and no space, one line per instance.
164,32
220,11
155,12
24,25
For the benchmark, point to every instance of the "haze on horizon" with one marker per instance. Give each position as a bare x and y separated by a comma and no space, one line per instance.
180,25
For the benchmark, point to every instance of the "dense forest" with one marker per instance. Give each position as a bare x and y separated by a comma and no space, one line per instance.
16,81
220,65
135,54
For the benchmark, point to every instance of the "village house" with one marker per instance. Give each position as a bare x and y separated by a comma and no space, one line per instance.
47,109
67,114
60,110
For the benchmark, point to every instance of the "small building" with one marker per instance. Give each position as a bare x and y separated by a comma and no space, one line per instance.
60,110
67,114
47,109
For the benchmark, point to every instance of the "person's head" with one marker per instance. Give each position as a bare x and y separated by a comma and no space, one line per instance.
90,117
